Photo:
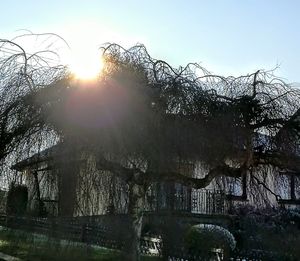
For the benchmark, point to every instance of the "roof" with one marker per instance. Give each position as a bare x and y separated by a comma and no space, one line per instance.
42,156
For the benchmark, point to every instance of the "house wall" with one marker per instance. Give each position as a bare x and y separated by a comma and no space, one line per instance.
48,186
83,190
75,189
98,192
263,186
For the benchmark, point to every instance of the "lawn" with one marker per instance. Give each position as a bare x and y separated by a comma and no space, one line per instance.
34,247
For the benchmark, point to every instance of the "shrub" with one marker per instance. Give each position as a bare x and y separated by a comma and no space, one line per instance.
273,231
202,239
17,199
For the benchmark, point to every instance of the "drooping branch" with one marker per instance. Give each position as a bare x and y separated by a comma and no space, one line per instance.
140,177
264,185
197,183
126,174
277,159
266,122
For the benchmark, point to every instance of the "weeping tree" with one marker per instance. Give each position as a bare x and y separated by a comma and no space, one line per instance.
22,75
143,119
23,131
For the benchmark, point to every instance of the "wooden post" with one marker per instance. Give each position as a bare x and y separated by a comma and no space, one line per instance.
293,196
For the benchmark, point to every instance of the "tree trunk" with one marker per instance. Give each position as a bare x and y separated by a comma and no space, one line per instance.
38,194
135,209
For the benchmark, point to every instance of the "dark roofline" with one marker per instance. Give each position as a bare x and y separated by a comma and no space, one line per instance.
42,156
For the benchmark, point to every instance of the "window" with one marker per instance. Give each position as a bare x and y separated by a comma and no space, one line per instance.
297,187
288,188
283,187
236,188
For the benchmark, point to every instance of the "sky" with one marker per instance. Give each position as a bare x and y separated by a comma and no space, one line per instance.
227,37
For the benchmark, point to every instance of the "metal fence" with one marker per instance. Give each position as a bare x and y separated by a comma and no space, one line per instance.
198,201
206,201
110,231
100,230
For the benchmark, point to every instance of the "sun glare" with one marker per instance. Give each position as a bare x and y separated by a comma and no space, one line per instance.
86,65
85,38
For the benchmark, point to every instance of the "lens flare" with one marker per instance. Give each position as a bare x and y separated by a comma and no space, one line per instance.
86,65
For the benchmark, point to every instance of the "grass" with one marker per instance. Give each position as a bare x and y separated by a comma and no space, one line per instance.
26,247
32,247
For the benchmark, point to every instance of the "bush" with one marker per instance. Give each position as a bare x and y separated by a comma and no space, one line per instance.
17,199
204,239
273,231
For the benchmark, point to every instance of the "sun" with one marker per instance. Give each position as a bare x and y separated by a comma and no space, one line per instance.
86,65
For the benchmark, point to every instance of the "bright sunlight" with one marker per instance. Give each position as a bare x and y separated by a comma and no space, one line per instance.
86,65
86,37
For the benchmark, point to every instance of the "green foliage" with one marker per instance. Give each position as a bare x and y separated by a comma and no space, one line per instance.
35,247
17,199
204,238
270,231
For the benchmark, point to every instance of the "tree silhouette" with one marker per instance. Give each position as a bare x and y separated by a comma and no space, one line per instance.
22,129
142,119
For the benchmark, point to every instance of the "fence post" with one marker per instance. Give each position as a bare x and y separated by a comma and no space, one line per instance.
83,233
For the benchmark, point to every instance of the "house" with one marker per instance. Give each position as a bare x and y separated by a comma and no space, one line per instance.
70,186
289,140
64,185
